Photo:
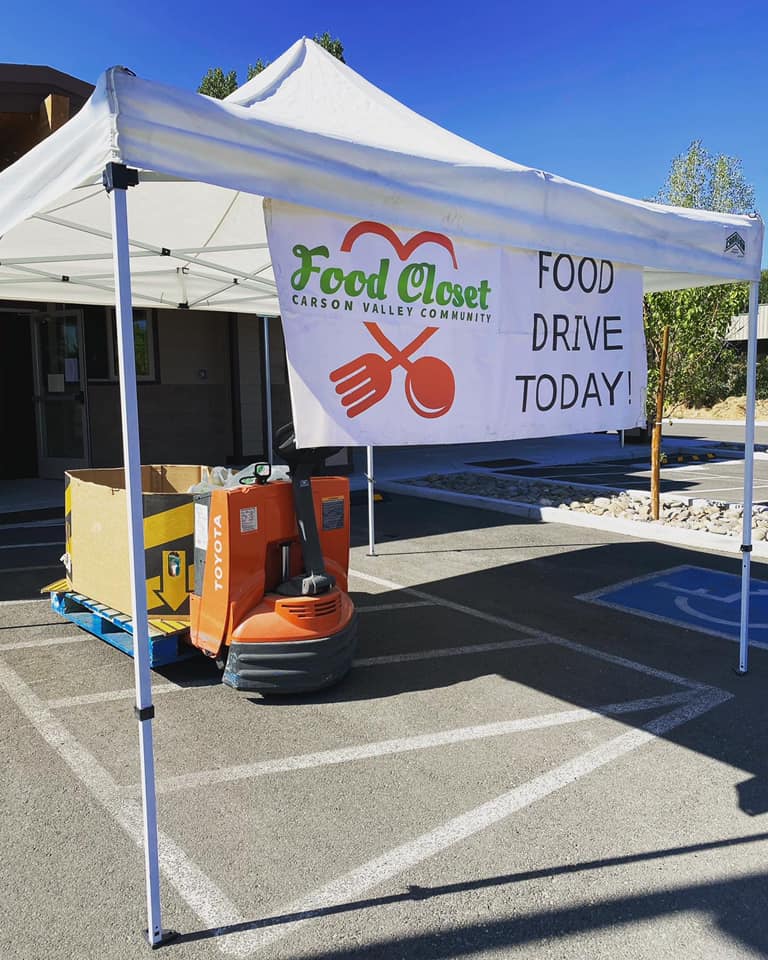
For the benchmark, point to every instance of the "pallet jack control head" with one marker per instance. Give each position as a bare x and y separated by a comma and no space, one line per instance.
284,445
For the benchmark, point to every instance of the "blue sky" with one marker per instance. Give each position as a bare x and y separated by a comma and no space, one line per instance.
603,94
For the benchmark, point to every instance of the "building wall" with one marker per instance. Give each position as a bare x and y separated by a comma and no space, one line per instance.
184,417
250,366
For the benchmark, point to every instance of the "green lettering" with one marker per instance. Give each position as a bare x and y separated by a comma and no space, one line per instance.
470,296
444,293
412,277
430,284
300,277
484,290
377,282
458,295
354,283
331,280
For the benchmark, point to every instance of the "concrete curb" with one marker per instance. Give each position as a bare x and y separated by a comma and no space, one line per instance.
712,423
655,532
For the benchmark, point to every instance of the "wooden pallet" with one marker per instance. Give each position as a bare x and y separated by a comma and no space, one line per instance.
166,636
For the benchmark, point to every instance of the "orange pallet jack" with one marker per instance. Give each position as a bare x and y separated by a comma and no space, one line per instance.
270,602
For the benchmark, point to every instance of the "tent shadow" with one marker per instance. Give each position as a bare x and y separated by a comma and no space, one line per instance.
737,906
541,593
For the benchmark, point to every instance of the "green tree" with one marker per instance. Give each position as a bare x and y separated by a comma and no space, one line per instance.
700,179
701,368
218,84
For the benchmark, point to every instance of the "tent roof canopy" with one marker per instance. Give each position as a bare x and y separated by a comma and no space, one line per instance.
310,130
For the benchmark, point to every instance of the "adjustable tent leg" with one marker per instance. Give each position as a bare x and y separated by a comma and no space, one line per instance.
268,391
117,179
369,478
749,470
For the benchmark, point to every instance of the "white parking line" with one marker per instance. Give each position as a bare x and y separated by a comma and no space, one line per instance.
353,885
704,491
382,607
448,652
216,911
44,642
128,693
451,605
427,741
209,903
529,631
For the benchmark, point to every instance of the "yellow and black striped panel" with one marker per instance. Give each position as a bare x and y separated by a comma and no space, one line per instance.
168,555
58,586
168,627
68,525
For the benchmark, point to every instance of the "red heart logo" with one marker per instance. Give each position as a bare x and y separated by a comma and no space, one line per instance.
403,250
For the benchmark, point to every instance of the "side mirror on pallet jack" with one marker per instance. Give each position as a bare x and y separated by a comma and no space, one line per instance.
270,598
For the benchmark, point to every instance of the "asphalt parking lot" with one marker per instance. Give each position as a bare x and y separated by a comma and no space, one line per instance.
712,474
508,771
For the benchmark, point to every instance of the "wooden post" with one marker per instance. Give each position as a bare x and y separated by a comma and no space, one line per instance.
656,439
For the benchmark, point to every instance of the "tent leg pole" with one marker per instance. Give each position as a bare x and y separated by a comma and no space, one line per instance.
117,179
268,389
369,478
749,464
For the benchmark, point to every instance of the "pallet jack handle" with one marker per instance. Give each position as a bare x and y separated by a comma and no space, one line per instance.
302,464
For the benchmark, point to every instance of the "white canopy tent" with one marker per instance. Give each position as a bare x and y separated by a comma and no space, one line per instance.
311,131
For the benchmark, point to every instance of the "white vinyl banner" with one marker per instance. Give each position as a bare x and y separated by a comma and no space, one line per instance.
397,336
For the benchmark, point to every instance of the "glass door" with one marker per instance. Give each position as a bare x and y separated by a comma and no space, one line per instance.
60,392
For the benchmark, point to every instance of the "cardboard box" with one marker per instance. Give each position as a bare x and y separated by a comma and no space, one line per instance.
97,536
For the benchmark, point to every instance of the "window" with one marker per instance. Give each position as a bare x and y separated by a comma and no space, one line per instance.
101,344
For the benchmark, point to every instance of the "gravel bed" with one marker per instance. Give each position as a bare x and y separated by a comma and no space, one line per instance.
706,515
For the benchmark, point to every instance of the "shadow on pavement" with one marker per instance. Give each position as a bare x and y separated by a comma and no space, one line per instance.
737,906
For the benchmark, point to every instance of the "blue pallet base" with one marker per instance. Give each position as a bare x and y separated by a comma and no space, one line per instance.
165,646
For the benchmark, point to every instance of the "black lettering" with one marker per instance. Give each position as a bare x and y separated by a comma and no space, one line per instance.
611,385
603,265
556,272
526,380
574,383
536,318
582,284
553,388
591,392
611,332
557,333
592,335
578,318
542,268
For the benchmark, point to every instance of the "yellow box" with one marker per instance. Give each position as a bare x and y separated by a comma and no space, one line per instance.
97,558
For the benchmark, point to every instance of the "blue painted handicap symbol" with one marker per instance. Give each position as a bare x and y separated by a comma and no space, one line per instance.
692,597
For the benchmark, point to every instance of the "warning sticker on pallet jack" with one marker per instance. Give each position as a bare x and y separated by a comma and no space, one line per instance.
249,519
201,526
333,513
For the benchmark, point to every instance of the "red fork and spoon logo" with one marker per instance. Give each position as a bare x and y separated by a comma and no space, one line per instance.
430,387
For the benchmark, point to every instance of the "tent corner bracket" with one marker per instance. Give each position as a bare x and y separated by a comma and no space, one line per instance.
117,176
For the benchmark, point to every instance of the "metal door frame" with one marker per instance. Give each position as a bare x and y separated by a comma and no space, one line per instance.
48,466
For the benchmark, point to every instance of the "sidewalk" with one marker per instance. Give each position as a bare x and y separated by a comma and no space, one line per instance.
46,497
31,499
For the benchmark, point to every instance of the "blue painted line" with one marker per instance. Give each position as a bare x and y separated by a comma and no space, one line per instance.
694,597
